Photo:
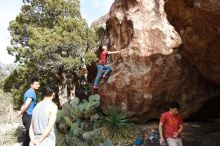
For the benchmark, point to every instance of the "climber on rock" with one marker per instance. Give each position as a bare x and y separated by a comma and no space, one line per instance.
101,65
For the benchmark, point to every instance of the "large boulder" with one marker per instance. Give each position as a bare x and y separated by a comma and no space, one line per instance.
198,23
153,69
101,22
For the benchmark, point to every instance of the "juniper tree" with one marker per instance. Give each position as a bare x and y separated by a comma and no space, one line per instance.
51,39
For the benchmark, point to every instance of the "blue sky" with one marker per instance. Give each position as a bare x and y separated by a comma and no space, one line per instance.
90,10
93,9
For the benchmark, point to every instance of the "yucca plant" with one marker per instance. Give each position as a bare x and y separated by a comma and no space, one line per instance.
118,127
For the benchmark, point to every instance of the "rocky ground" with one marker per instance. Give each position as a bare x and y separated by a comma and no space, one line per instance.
198,133
11,134
11,130
202,133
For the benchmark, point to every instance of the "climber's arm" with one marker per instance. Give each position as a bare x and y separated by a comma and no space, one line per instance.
115,52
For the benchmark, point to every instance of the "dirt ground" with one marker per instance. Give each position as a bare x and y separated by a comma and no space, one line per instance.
203,133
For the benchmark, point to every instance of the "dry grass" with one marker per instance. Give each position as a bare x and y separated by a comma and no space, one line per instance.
11,130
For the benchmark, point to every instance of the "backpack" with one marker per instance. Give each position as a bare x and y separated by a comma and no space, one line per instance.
153,136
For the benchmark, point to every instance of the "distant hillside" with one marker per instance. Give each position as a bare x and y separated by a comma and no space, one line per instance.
6,101
5,69
5,98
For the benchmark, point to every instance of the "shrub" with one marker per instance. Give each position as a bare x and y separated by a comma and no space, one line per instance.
118,127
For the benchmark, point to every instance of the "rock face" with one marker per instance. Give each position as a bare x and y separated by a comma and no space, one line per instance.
101,22
198,23
153,69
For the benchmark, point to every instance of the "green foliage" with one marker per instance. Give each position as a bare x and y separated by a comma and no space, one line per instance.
67,140
50,39
118,127
90,57
17,83
107,142
79,121
15,80
99,32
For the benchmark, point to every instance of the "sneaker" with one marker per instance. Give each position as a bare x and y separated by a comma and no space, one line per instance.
104,76
95,87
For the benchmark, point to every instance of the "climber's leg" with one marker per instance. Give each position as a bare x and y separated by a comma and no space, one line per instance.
99,74
107,69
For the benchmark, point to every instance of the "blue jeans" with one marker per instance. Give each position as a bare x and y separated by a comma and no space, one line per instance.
100,68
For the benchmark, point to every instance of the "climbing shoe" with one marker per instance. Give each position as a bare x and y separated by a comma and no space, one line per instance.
105,77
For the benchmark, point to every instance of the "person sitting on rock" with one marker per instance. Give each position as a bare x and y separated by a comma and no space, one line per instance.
101,65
